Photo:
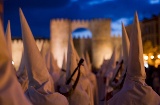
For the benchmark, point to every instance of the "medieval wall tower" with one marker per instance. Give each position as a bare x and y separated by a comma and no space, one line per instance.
59,32
101,41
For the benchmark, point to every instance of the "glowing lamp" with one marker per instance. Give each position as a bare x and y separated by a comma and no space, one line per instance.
152,57
158,56
145,57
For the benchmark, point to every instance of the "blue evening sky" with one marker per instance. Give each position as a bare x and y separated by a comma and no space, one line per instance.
39,13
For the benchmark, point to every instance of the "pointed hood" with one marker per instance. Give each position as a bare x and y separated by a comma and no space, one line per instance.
37,71
136,69
10,90
64,63
53,63
21,66
43,51
135,90
125,46
48,60
8,39
88,62
103,68
82,69
120,52
116,70
112,62
85,66
71,59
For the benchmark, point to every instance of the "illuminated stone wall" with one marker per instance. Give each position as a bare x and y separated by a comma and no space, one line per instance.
17,49
83,45
116,40
101,41
59,33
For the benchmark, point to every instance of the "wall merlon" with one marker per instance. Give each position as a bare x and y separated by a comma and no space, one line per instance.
59,20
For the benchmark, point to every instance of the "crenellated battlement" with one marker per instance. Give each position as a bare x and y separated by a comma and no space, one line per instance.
81,21
59,20
100,20
81,37
77,21
116,36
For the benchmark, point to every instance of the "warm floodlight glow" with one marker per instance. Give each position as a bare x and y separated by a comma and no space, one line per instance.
158,56
145,57
152,57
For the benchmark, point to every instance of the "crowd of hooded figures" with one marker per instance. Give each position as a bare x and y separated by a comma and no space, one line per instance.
39,81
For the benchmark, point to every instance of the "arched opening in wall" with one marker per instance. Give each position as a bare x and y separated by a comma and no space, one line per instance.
81,33
82,41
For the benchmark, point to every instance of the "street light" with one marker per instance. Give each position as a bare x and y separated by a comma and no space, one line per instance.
145,57
152,57
158,56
